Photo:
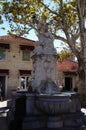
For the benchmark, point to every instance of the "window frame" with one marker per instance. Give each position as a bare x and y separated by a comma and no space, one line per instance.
26,83
23,54
4,50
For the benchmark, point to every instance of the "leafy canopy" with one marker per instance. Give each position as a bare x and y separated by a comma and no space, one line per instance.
23,14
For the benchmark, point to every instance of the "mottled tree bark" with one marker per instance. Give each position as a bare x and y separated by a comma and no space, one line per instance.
81,5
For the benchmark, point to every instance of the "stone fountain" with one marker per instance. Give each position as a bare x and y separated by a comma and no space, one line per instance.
46,107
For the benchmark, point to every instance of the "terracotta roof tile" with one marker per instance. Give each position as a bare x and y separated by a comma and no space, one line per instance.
16,38
67,65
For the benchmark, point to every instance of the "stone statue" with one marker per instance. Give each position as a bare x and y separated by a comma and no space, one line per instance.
44,62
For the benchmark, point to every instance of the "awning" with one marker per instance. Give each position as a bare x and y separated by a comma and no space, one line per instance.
4,71
4,46
24,47
23,72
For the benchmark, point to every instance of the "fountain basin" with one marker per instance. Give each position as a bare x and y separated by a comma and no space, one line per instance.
57,103
53,104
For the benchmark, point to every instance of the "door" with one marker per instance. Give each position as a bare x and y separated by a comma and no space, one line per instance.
2,80
68,83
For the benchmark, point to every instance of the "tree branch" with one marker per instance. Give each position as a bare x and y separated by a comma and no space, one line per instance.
59,38
53,12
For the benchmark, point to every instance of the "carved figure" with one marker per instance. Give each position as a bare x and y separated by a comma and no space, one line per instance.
44,62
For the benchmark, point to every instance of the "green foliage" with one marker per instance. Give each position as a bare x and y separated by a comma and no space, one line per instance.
64,54
27,11
57,14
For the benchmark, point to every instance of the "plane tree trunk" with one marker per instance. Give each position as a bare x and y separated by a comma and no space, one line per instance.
81,8
82,81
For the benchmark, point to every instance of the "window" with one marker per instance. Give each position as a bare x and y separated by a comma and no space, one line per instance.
26,55
24,82
2,54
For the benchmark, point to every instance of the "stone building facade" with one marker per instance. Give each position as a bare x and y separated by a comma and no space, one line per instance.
68,74
16,65
15,62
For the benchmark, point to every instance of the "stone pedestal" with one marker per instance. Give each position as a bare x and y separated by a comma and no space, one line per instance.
34,122
42,111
